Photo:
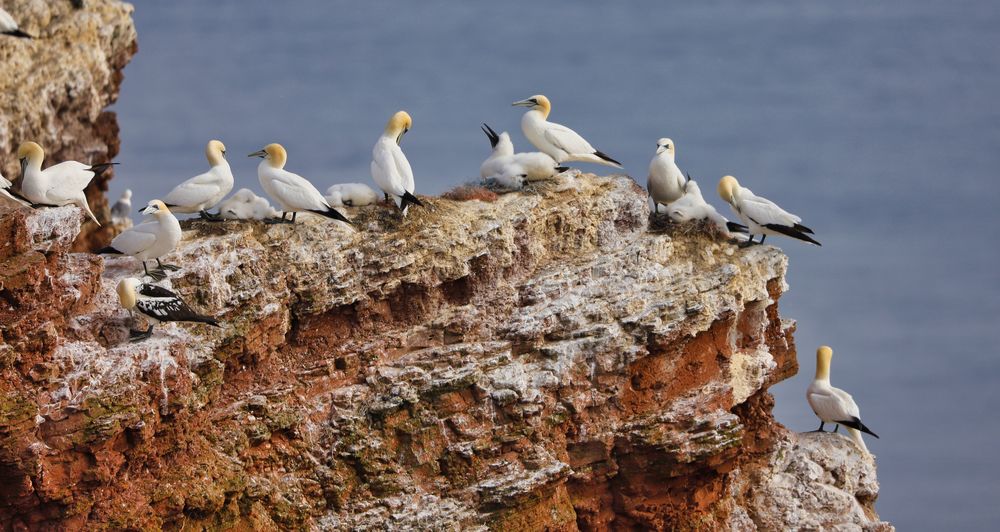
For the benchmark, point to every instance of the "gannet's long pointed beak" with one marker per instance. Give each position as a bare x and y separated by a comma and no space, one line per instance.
260,154
530,102
24,166
399,139
494,138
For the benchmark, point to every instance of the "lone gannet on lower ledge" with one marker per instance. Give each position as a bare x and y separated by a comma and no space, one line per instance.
390,169
504,166
157,304
833,405
560,142
762,216
351,195
292,192
149,240
204,191
8,26
58,185
665,183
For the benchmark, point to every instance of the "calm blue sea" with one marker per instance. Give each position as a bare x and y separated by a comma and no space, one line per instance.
876,121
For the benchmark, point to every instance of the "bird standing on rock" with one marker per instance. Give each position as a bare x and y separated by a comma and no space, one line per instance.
204,191
58,185
666,181
157,304
390,169
761,215
149,240
833,405
560,142
292,192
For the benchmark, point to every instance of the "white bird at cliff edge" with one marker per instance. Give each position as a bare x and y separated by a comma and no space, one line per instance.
292,192
351,195
58,185
8,26
692,206
666,181
390,169
121,212
833,405
762,216
157,304
204,191
5,191
560,142
503,164
149,240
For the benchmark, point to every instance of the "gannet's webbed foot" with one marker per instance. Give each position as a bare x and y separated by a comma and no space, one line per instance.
209,217
164,267
281,220
156,275
138,336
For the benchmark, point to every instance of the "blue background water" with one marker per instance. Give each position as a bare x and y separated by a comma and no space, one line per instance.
877,123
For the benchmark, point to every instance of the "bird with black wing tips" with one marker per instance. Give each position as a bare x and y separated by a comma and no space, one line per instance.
157,304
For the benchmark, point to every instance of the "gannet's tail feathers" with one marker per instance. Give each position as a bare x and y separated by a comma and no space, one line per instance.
108,251
804,229
737,228
856,424
494,138
99,169
561,169
408,199
330,212
18,33
858,440
205,319
607,158
792,232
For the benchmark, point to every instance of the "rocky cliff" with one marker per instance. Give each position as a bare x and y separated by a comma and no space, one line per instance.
544,361
55,89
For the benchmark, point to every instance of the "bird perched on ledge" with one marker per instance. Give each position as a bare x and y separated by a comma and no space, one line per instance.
762,216
833,405
58,185
292,192
204,191
666,182
390,169
157,304
560,142
149,240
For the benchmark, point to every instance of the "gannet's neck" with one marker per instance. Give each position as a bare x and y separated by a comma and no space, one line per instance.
823,356
537,115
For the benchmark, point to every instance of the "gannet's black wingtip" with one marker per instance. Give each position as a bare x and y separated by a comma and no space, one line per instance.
792,232
332,214
606,157
856,424
19,33
737,228
409,199
108,251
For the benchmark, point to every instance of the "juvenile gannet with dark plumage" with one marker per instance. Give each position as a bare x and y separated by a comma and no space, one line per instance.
503,165
149,240
833,405
558,141
8,26
58,185
390,169
204,191
692,206
292,192
762,216
666,181
5,191
157,304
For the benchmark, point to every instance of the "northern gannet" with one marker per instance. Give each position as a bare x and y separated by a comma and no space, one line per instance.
245,205
833,405
761,215
504,166
122,210
390,169
692,206
58,185
292,192
351,195
157,304
666,181
149,240
6,187
202,192
8,26
560,142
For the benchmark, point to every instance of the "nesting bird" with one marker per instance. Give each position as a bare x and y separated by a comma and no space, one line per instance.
833,405
204,191
351,195
390,169
558,141
245,205
157,304
666,181
59,184
692,206
122,209
8,26
509,168
149,240
762,216
292,192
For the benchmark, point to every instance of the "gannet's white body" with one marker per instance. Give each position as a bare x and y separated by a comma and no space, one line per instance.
692,206
666,181
204,191
5,187
57,185
121,211
291,192
151,239
351,195
9,26
390,169
509,169
558,141
762,216
833,405
245,205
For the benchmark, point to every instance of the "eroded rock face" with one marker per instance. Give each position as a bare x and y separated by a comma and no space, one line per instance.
55,90
545,361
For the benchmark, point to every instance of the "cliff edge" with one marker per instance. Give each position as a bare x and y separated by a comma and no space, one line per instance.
545,361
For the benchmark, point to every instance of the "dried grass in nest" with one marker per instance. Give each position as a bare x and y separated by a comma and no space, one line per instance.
470,193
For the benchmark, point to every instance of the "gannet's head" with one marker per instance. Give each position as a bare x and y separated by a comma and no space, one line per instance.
727,188
274,154
154,207
30,152
537,102
126,292
823,356
665,145
398,125
215,151
127,195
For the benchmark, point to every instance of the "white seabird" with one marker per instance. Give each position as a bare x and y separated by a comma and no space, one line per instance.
58,185
9,26
558,141
509,168
351,195
6,189
121,212
204,191
292,192
157,304
833,405
390,169
692,206
149,240
762,216
245,205
666,181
